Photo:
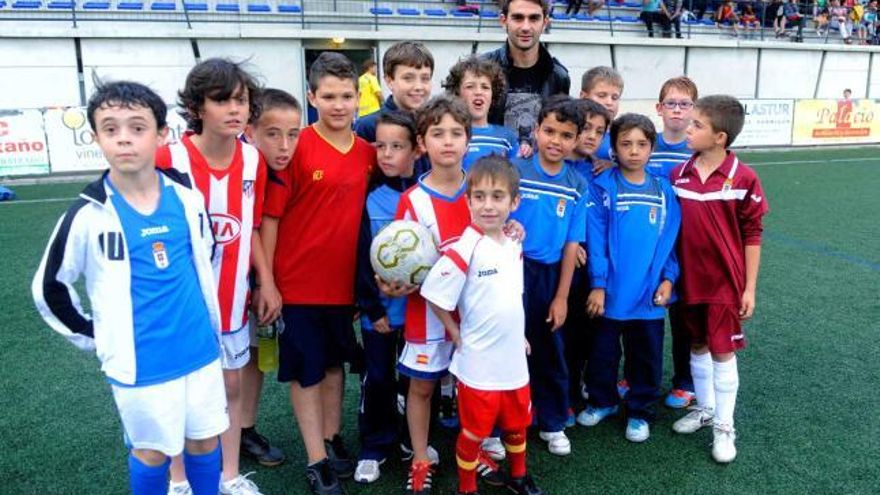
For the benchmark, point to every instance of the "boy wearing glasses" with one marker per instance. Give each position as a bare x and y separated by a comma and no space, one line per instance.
677,97
676,104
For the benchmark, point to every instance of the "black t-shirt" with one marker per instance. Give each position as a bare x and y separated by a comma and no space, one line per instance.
523,99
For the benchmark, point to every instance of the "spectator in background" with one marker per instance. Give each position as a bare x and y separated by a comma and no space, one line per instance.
370,91
869,21
820,20
574,6
671,16
698,8
793,18
749,20
726,16
650,14
839,19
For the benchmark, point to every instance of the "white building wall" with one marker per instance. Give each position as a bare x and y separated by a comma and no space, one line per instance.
731,71
38,72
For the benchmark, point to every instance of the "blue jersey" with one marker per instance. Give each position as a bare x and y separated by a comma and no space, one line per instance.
173,335
552,209
485,141
380,209
666,156
583,166
604,151
632,233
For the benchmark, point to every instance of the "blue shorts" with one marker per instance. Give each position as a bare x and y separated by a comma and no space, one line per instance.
315,338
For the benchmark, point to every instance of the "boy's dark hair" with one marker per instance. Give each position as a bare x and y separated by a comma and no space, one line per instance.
496,168
126,94
433,111
409,53
545,6
272,98
479,67
591,109
400,119
725,114
630,121
367,65
598,74
217,79
331,64
565,109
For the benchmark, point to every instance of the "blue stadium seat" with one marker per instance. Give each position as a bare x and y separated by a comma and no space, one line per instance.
707,22
259,7
2,3
96,5
635,5
489,14
289,9
27,4
629,19
195,6
435,12
61,4
130,6
163,6
461,13
227,7
409,12
381,11
584,17
560,16
604,18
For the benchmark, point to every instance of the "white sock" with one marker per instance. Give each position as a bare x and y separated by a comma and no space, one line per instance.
447,386
726,386
704,387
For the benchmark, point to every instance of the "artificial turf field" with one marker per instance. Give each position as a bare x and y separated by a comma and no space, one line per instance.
806,416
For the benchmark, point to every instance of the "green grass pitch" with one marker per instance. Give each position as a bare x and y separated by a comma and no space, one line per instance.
806,415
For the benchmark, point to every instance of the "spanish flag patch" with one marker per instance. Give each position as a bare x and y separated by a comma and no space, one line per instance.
422,359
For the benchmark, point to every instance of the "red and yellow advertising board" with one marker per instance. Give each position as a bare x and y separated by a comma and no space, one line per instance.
818,122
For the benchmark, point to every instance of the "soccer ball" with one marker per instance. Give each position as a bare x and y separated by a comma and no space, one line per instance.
403,251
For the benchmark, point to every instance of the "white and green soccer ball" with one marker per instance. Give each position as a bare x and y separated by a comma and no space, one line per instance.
403,251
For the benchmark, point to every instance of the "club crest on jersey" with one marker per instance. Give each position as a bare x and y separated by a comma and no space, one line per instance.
560,208
728,185
226,228
247,188
317,175
160,255
652,215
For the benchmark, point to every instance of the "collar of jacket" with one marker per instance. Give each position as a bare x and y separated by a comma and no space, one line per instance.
96,193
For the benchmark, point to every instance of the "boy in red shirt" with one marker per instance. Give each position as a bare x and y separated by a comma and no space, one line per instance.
311,225
219,98
722,205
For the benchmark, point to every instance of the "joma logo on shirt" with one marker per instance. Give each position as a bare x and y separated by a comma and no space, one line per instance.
486,273
163,229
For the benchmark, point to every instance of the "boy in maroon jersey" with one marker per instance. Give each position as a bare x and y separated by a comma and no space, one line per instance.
722,205
311,224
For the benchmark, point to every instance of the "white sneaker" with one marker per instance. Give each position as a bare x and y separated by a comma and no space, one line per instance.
240,485
697,418
557,442
723,447
495,449
637,430
181,488
368,470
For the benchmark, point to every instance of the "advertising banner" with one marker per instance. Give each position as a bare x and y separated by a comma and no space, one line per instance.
768,123
72,146
843,121
23,148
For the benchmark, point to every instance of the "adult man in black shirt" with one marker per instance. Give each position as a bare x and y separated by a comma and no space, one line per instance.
533,75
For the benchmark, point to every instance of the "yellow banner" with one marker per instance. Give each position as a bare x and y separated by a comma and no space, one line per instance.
836,122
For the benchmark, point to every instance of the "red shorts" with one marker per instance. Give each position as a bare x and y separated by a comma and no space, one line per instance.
480,410
715,325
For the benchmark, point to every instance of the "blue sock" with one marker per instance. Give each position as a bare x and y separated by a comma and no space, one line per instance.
148,480
203,471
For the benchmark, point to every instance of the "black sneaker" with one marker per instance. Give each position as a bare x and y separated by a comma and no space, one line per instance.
489,471
524,486
322,479
257,447
339,458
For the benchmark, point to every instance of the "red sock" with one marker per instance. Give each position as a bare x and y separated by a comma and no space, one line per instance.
466,452
515,444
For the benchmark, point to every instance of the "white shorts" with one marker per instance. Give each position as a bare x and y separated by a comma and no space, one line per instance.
159,417
426,361
235,348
